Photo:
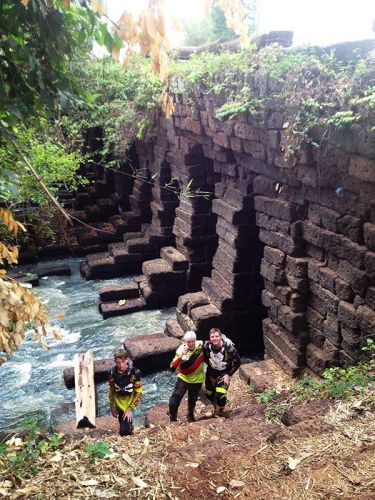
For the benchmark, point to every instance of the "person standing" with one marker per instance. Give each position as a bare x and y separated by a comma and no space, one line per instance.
125,391
222,361
188,362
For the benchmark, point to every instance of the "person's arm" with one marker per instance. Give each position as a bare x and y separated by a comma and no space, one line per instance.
235,361
111,396
206,354
176,361
137,390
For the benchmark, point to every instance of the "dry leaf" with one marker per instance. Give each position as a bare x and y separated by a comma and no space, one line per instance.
236,484
128,459
146,442
294,462
192,464
105,494
221,489
116,53
89,482
56,458
139,482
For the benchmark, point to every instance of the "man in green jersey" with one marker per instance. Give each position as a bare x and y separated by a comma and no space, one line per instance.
188,362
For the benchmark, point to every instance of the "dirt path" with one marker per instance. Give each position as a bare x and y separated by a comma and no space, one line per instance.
328,452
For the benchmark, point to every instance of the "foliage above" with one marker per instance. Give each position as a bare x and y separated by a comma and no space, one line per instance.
318,91
38,41
51,159
123,103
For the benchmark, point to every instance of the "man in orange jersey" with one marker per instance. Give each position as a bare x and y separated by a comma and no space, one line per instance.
188,362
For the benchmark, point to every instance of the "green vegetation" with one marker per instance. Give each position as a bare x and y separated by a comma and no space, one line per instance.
53,161
122,103
319,93
337,383
19,455
97,450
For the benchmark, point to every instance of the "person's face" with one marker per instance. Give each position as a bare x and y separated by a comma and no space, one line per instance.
122,364
215,339
190,345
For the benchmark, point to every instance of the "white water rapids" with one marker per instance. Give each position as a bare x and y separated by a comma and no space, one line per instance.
31,380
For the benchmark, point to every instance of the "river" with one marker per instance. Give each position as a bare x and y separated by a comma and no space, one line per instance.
31,380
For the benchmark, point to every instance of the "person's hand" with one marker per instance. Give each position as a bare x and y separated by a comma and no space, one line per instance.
184,350
113,411
127,415
226,379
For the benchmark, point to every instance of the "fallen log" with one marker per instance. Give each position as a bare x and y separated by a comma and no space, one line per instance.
85,389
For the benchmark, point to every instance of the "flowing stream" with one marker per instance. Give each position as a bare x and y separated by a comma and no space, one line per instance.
31,381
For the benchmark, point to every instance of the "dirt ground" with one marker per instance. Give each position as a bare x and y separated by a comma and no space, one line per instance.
326,451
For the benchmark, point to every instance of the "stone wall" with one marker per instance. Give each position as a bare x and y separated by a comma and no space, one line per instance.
284,250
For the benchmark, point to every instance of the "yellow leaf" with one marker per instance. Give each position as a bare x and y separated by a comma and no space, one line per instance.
21,226
15,228
25,2
101,9
5,217
57,334
66,3
44,345
59,315
160,25
95,6
151,25
116,54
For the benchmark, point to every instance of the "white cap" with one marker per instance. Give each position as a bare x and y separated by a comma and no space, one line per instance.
190,335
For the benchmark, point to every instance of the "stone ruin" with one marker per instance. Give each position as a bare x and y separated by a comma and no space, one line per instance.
280,255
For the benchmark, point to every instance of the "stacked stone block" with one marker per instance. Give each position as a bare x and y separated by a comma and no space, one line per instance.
165,278
340,307
284,272
194,229
230,297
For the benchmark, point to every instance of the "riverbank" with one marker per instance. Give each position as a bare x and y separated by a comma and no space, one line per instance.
324,449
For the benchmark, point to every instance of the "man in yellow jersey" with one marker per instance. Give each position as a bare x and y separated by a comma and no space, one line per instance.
188,362
125,391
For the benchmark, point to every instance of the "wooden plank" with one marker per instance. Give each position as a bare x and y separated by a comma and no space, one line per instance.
85,389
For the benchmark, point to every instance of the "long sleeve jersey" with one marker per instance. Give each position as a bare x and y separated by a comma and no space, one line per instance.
191,370
125,390
222,361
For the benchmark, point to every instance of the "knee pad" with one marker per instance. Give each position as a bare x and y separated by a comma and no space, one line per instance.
221,396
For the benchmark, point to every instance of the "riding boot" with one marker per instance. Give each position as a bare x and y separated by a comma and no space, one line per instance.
190,413
172,415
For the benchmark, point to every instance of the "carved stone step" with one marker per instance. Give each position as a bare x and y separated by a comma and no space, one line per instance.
110,309
112,293
173,329
176,260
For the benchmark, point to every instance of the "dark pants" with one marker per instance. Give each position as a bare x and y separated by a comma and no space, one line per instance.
126,426
216,391
179,392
